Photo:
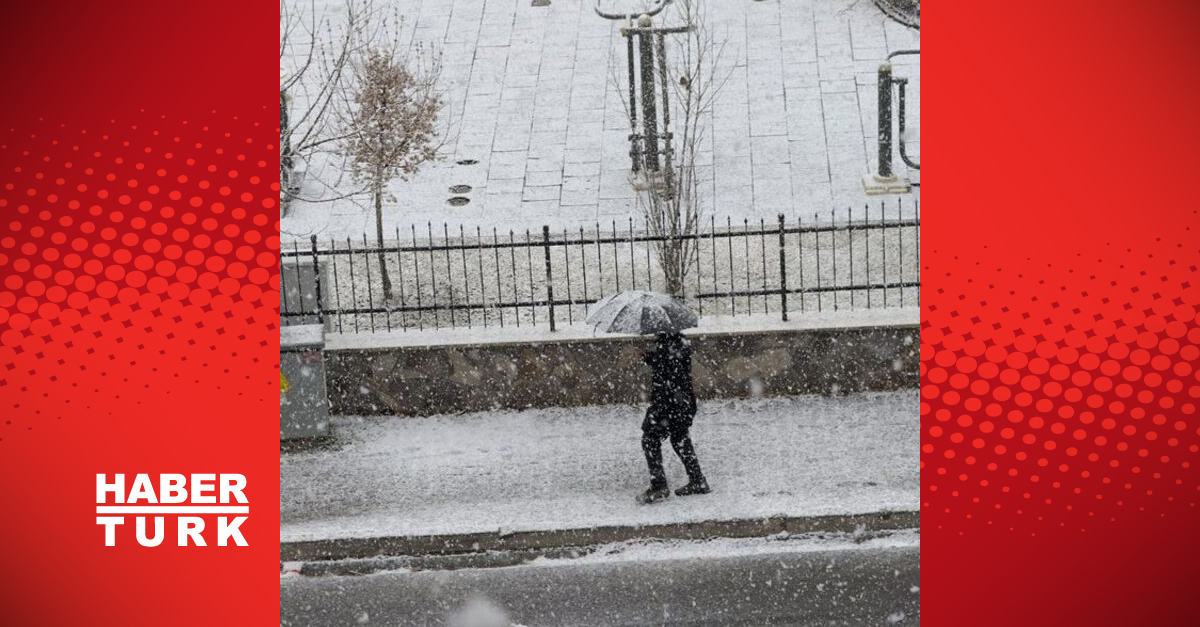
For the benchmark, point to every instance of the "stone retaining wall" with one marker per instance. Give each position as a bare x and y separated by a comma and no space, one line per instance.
429,380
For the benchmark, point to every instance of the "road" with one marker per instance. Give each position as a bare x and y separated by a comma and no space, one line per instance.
850,587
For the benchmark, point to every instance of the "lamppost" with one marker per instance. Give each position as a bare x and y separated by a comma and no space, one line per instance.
650,150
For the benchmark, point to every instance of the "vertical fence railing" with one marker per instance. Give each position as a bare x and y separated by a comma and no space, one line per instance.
816,263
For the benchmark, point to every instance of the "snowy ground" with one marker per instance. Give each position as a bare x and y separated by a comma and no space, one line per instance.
530,99
663,550
575,468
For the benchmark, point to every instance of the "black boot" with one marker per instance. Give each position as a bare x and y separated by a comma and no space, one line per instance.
654,494
682,444
694,487
652,447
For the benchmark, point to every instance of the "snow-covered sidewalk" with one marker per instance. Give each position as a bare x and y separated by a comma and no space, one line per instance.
579,468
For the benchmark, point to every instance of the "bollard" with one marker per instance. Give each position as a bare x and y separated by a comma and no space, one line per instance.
884,180
885,121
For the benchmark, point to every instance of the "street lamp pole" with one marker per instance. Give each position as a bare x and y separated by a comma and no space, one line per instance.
649,111
651,143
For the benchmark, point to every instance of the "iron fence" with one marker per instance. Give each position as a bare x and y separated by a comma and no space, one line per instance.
442,279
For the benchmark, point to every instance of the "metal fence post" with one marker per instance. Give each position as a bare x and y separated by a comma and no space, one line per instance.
783,292
316,283
549,274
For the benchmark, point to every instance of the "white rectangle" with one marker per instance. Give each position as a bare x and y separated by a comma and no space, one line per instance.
172,509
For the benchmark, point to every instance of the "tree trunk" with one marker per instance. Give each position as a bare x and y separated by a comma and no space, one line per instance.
673,264
383,273
287,164
672,251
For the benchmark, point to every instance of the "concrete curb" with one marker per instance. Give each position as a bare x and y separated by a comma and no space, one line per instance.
565,539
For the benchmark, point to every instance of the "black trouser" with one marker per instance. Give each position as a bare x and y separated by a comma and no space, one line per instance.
675,428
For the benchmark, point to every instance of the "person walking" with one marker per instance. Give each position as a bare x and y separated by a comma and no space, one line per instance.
672,408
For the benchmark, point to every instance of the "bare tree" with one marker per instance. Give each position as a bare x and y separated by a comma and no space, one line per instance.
670,199
315,82
393,130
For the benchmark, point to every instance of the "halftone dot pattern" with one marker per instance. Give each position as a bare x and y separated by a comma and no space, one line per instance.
138,257
1059,399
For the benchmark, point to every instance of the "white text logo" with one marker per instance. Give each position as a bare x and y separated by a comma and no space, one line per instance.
187,498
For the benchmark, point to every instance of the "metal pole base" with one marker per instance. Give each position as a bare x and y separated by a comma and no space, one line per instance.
644,181
875,185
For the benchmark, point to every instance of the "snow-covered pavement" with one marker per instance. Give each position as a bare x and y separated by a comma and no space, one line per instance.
578,468
539,133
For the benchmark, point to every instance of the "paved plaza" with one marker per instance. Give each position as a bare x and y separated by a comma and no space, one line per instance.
535,98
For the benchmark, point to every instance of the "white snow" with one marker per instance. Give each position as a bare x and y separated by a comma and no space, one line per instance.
530,98
301,335
907,316
479,612
664,550
582,467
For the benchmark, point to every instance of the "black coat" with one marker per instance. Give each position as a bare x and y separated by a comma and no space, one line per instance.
672,398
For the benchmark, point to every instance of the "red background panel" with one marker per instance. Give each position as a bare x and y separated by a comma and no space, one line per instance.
90,60
138,301
1060,341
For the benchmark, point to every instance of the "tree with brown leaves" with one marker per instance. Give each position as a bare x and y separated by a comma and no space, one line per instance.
393,129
